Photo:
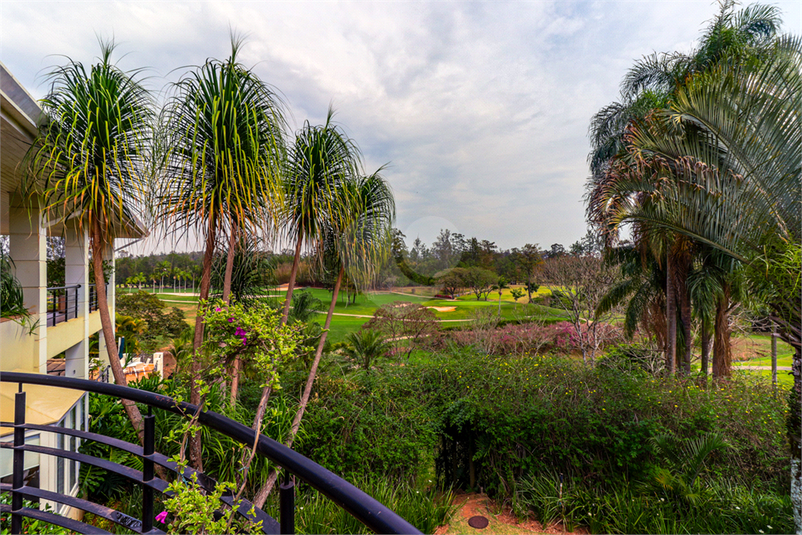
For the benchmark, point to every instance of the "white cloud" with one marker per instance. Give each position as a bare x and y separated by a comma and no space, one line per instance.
481,108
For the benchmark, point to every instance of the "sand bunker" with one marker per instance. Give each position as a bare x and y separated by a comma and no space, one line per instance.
444,309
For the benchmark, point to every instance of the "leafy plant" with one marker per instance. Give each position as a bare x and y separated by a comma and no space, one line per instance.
367,346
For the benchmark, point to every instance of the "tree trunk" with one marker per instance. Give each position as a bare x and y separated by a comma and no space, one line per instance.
722,350
230,263
296,260
671,318
235,366
264,492
685,316
98,244
706,343
195,451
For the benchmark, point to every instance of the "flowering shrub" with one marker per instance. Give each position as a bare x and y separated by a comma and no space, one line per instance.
517,339
255,335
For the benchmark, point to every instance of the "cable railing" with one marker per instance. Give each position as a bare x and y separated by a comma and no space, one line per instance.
361,506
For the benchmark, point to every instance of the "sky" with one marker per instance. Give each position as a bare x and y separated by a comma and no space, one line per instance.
480,109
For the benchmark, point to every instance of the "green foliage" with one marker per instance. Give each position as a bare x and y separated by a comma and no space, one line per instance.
619,508
149,308
255,335
367,346
304,306
12,301
29,525
426,509
517,293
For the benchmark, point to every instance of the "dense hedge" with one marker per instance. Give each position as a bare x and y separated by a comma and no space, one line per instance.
506,417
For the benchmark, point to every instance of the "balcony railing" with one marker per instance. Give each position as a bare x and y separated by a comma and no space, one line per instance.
364,508
62,303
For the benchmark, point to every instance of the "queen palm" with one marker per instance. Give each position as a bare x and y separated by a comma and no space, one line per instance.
224,130
322,158
88,163
357,241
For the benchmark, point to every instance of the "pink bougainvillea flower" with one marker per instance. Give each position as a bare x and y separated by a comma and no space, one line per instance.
161,517
231,320
240,332
217,309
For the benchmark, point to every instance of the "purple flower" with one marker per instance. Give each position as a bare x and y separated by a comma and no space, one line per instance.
217,309
161,517
240,332
231,320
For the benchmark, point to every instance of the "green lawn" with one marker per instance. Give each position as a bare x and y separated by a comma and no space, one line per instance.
366,304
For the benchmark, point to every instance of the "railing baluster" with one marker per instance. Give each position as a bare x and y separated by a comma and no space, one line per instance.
19,460
287,506
147,473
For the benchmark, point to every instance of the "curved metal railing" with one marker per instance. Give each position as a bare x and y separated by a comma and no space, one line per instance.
361,506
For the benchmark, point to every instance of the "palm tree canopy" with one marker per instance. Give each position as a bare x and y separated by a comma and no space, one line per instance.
223,139
359,236
90,157
322,158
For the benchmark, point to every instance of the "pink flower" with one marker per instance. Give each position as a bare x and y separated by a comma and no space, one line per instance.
231,320
161,517
217,309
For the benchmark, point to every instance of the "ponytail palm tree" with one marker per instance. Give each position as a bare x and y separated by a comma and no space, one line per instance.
357,240
223,129
88,164
322,159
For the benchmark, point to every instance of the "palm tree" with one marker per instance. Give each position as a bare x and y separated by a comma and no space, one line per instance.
88,164
321,159
224,130
731,144
739,37
357,239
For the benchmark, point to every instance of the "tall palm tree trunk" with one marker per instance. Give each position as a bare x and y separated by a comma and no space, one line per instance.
685,314
235,366
671,318
232,245
293,274
195,451
706,343
108,329
264,492
722,350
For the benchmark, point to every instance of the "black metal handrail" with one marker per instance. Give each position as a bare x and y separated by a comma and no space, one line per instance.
360,505
62,304
93,297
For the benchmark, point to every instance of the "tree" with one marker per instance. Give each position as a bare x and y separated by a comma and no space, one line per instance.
404,324
452,281
529,259
357,238
88,163
223,146
479,280
736,37
578,285
733,140
322,158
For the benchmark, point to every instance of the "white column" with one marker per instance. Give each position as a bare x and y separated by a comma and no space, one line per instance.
76,272
28,249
